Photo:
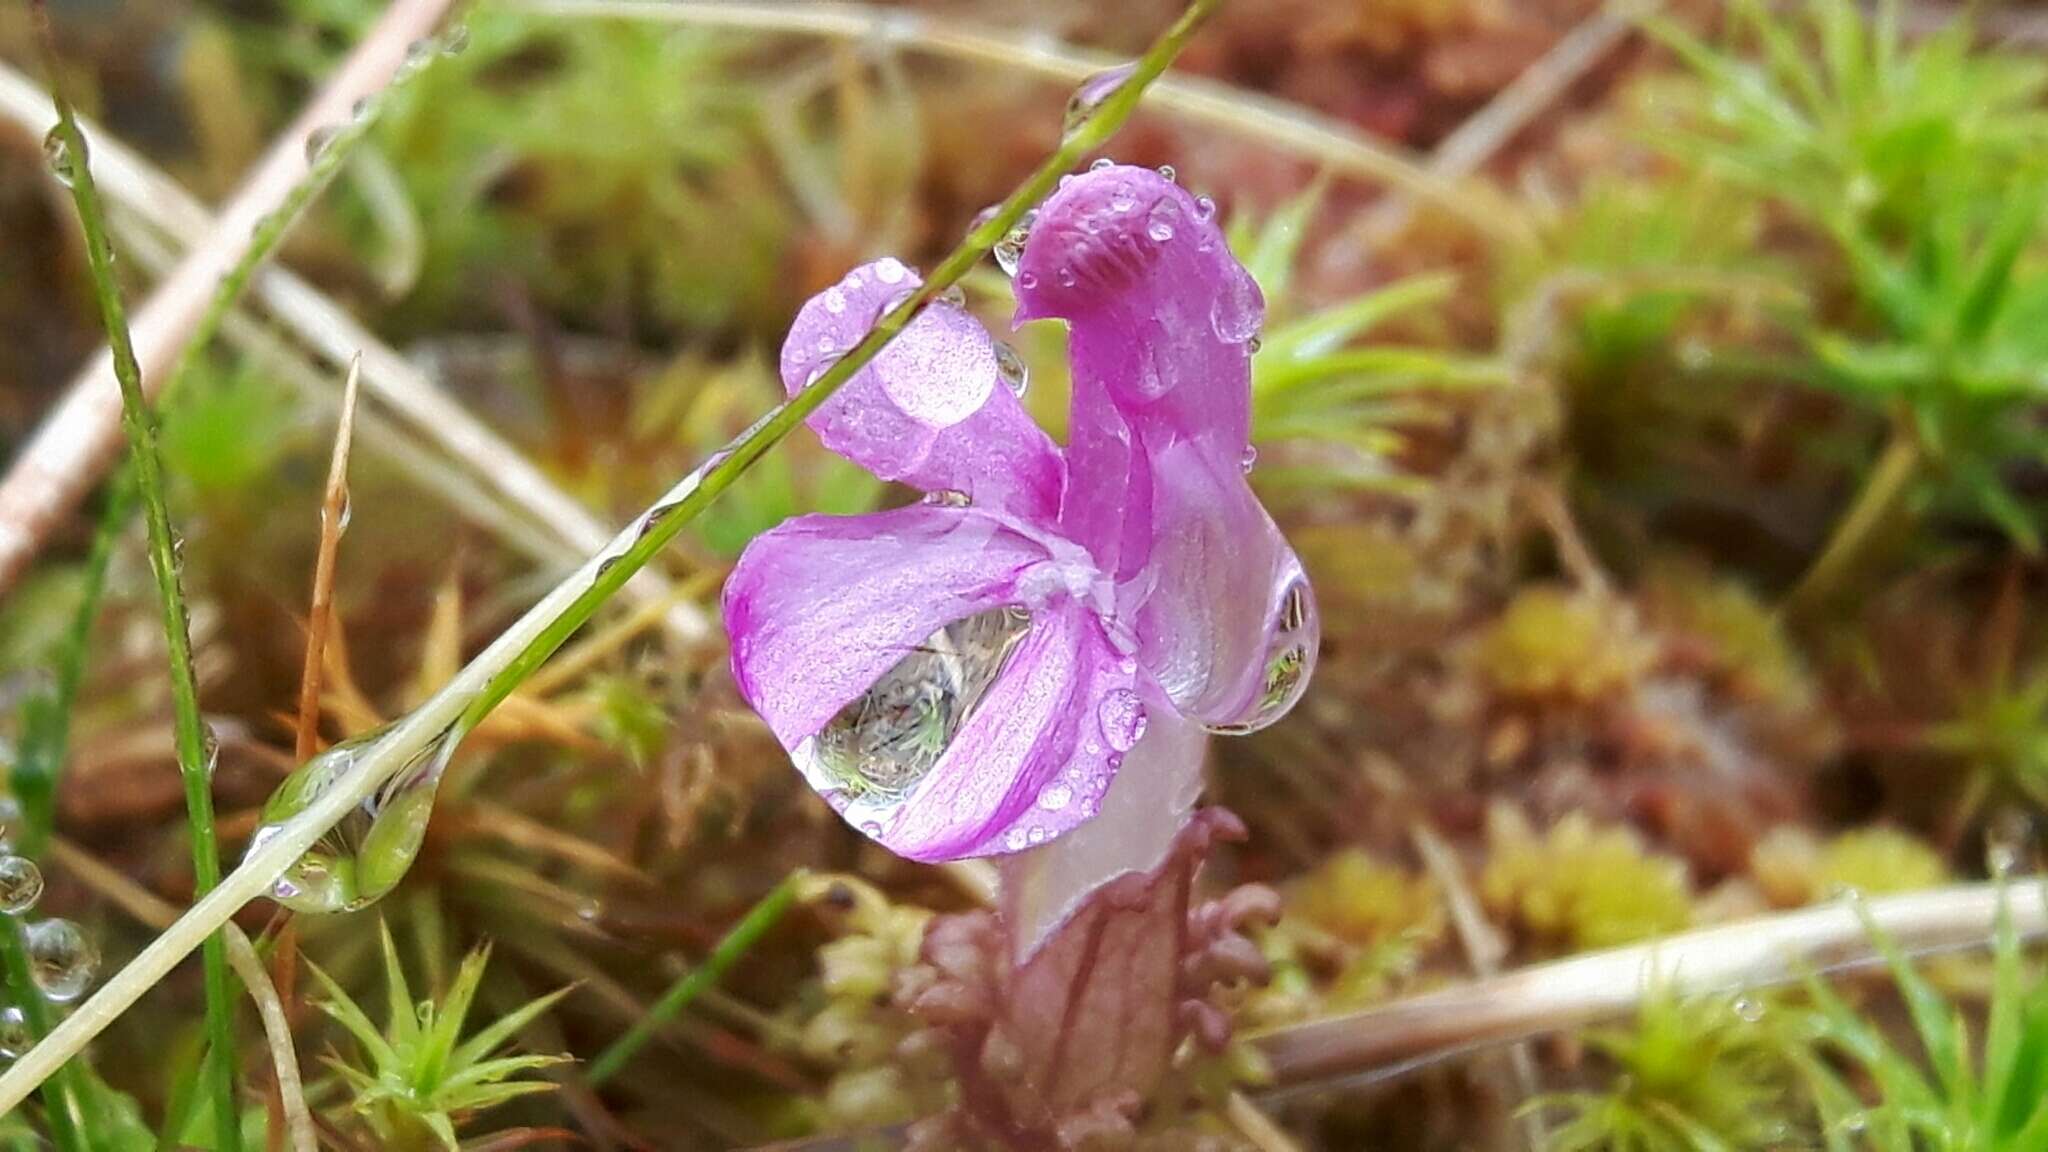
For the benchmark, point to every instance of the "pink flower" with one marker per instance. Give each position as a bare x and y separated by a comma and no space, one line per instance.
1031,656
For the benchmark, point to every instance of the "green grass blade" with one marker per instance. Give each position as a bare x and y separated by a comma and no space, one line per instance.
194,756
736,943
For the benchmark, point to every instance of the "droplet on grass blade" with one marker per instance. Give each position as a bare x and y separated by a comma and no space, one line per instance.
21,885
362,858
61,959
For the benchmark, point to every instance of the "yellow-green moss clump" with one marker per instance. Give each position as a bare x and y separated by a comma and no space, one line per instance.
1554,644
1363,901
1580,887
1792,867
1741,640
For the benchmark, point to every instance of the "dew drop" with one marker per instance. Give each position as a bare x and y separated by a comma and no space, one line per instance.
873,829
1014,839
954,296
1092,93
1122,716
418,53
1015,374
835,301
1102,164
882,745
1122,200
1168,173
1253,345
1749,1008
890,270
361,109
1250,459
1027,281
1036,836
1009,251
1055,797
16,1037
318,141
2008,840
946,498
456,41
363,857
1159,223
1295,633
21,884
61,959
826,345
1205,208
1236,313
1066,276
57,153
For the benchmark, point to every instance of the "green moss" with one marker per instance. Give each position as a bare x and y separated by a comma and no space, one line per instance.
1579,886
1701,1074
1793,868
1560,645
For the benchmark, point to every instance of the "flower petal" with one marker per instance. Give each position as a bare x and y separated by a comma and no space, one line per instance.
1162,313
1036,759
821,607
1161,316
1226,619
931,410
1150,801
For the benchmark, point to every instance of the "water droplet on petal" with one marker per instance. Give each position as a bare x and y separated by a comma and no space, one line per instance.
1250,459
1066,276
954,296
1122,200
1253,345
1028,281
1016,374
363,857
1055,797
1036,836
1168,173
1236,312
1122,716
1205,208
1092,93
57,153
890,270
947,498
21,884
61,959
1160,222
16,1037
1295,635
835,301
872,756
1101,164
1014,839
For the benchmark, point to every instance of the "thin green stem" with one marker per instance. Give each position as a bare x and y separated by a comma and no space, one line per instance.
516,653
737,942
46,718
327,152
194,757
64,1095
1896,470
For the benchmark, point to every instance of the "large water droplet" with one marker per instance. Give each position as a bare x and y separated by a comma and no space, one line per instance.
1236,313
1092,93
1101,164
954,296
1009,251
364,856
1122,716
1168,173
1296,634
1016,374
16,1037
57,153
880,747
61,959
21,884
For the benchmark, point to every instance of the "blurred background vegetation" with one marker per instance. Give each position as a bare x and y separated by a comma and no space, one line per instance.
1678,530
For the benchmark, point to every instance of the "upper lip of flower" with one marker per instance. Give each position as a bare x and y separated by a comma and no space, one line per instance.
1137,550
